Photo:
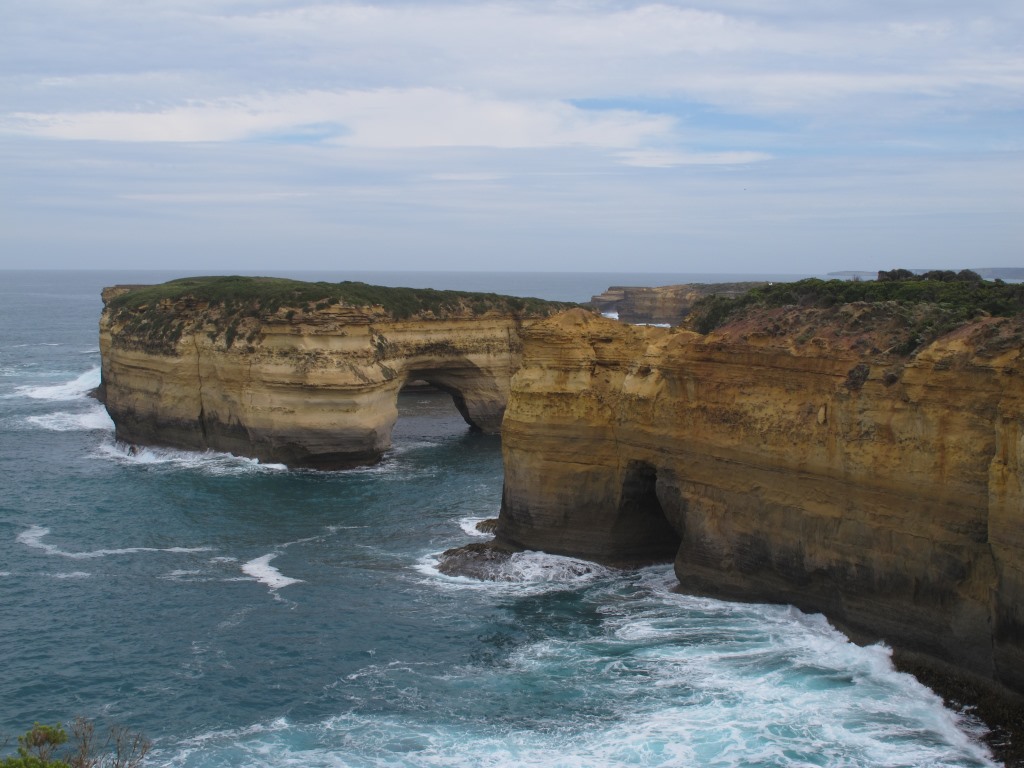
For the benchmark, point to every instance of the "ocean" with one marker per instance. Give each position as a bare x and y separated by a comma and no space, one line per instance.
242,614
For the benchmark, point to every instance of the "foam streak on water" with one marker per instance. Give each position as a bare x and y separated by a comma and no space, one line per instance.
33,537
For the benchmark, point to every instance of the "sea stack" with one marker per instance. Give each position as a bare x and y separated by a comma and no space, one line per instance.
304,374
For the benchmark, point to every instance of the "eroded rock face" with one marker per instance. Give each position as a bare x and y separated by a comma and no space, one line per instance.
788,458
666,304
307,387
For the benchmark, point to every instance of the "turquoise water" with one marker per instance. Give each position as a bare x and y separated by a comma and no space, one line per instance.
247,615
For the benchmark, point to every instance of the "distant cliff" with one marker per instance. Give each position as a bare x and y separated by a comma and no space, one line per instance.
305,374
862,459
666,304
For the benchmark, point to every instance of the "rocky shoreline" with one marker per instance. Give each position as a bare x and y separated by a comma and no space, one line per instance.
1001,710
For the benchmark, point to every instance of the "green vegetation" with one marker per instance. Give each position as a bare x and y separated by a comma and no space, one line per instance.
263,296
38,748
154,317
933,303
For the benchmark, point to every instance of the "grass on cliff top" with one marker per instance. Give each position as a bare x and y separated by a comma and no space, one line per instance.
951,298
268,294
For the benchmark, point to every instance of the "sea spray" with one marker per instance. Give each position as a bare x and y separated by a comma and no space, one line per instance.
70,390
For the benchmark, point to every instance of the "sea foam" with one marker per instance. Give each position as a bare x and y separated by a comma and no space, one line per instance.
33,537
71,390
468,526
207,462
93,420
262,571
523,573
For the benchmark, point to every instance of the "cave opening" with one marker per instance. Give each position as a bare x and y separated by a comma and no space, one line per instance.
426,411
642,525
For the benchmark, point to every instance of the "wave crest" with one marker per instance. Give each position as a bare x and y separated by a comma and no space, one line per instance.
93,420
71,390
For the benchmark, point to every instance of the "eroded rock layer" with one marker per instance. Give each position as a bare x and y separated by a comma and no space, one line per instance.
788,457
666,304
311,384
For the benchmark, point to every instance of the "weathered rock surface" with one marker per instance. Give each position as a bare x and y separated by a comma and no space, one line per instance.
788,458
667,304
311,385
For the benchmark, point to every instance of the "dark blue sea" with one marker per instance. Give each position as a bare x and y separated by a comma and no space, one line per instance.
246,615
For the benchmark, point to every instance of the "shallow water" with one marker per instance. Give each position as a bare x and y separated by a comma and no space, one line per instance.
246,615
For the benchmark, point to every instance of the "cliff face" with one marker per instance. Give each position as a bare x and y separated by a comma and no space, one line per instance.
667,304
788,458
308,386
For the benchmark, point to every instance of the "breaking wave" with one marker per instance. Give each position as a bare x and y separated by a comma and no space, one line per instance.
95,419
522,573
71,390
208,462
663,680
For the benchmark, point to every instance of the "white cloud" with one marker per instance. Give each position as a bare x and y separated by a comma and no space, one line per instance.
653,158
379,119
770,57
412,122
220,198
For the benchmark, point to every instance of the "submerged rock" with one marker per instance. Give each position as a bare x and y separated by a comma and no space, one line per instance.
487,526
479,560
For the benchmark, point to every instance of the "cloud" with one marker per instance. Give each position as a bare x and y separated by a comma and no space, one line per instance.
746,57
216,198
440,126
653,158
379,119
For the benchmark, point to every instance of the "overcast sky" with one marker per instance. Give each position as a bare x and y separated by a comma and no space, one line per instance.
733,136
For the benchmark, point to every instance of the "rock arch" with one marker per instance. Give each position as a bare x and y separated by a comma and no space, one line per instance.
322,396
478,395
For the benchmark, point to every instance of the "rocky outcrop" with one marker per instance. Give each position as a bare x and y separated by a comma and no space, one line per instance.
662,305
305,383
788,457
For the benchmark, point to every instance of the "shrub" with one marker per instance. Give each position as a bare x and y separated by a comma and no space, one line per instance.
942,299
37,748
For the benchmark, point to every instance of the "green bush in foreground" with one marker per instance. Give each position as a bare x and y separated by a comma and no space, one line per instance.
38,748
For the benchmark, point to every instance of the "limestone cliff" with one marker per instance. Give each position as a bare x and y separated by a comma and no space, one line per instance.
666,304
789,456
302,374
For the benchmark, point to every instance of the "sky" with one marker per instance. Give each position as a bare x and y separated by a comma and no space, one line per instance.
730,137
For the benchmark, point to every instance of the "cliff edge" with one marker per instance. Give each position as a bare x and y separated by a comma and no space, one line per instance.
864,459
665,304
305,374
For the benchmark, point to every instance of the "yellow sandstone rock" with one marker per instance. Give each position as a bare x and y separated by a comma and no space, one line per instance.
307,387
808,466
